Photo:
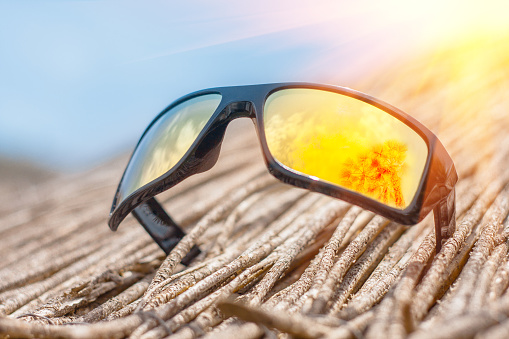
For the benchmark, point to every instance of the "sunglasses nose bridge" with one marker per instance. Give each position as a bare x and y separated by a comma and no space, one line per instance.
239,109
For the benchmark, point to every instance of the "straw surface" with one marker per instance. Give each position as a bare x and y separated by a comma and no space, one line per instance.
278,261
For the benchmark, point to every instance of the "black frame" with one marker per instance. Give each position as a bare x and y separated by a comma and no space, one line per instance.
435,190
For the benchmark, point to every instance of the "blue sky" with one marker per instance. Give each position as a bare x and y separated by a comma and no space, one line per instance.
80,80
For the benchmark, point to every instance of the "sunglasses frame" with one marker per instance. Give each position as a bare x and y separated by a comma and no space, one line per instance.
435,190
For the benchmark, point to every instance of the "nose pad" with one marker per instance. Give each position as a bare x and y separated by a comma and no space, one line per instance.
208,151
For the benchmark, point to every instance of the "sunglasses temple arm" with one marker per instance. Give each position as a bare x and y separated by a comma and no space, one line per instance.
445,219
161,227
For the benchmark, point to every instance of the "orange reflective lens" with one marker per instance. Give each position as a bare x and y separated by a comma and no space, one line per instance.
167,141
346,142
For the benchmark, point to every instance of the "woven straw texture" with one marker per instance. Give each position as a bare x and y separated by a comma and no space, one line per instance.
278,261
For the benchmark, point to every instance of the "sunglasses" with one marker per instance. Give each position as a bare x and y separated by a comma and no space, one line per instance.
327,139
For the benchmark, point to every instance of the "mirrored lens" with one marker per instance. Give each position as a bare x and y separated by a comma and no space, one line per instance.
346,142
167,141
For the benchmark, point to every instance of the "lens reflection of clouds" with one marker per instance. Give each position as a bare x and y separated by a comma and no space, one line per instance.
346,142
167,140
80,80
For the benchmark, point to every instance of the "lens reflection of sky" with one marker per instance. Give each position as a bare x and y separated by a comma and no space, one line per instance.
80,80
346,142
167,140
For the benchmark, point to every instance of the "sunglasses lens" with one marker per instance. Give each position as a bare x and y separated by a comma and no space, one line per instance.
345,142
166,142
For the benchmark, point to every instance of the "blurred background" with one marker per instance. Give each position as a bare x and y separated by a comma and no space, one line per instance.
80,80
